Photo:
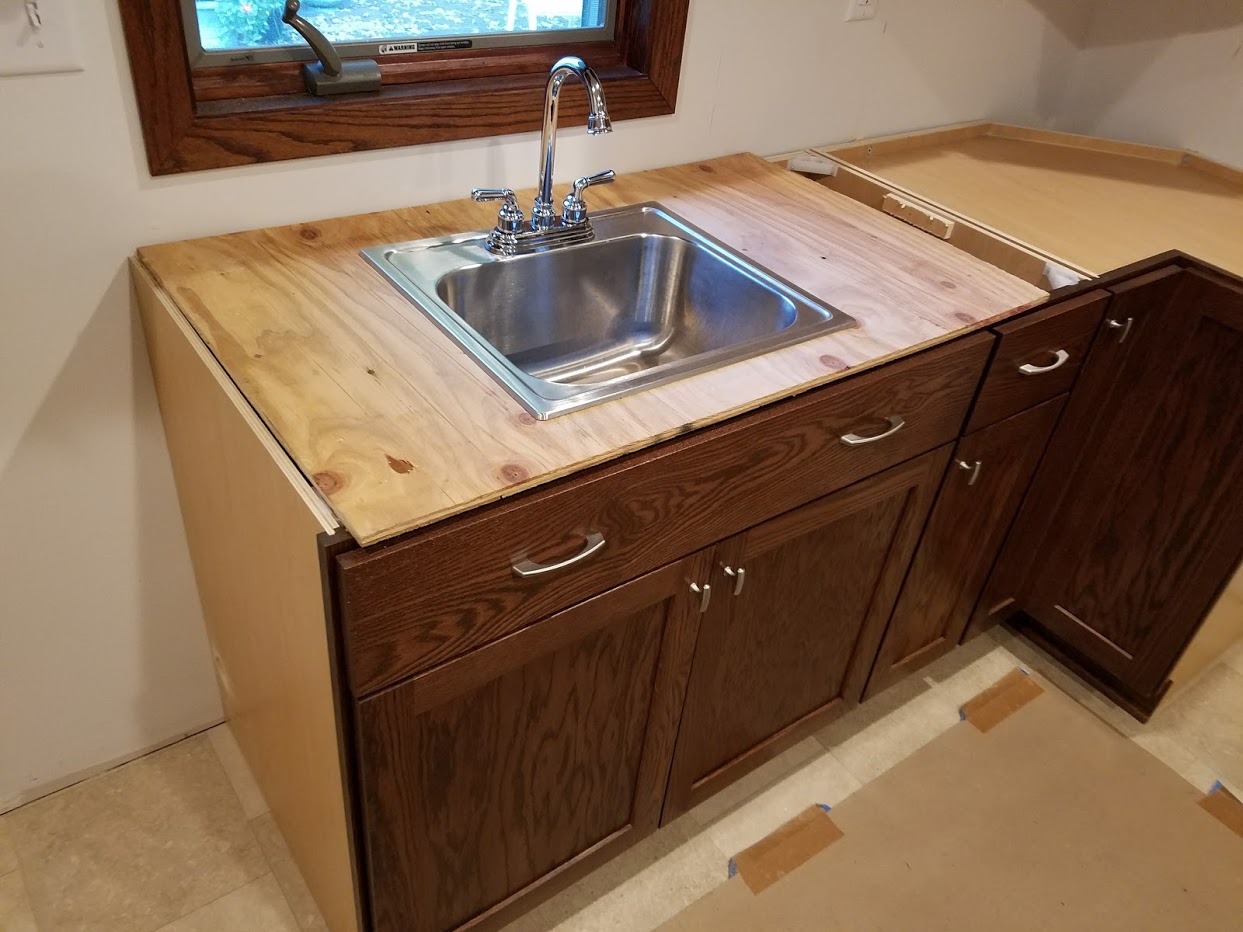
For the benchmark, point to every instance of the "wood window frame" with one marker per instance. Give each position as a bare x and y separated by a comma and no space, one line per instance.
243,115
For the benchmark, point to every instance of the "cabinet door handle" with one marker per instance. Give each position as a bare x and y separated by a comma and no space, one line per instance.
739,576
1059,360
1124,326
593,545
973,468
857,440
705,595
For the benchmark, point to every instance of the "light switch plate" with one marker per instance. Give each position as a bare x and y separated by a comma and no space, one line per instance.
860,9
50,48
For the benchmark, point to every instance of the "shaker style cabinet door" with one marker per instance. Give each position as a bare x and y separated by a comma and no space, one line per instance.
799,605
1135,518
548,750
988,475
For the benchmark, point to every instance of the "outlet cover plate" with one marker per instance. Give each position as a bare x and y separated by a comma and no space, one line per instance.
860,9
51,48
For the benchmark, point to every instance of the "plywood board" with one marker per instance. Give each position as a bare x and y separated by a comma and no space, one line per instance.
1050,820
399,428
252,522
1096,204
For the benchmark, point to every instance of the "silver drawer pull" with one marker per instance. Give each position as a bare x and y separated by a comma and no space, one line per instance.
1123,325
856,440
739,576
1059,360
973,468
705,595
526,568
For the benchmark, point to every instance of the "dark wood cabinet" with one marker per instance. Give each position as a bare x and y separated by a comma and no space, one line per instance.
799,605
984,486
1134,522
504,773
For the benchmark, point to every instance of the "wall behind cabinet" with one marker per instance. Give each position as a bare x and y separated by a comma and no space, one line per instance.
101,646
1160,72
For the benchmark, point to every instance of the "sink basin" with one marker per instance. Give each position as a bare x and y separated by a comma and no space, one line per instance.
650,299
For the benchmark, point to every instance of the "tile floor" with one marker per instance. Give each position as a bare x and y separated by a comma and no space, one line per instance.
182,840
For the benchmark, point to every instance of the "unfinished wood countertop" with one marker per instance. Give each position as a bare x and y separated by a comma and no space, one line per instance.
399,428
1095,204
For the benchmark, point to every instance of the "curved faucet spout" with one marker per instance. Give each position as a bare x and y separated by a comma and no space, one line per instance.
598,123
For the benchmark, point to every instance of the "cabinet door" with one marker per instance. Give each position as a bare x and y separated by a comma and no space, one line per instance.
504,773
1135,519
789,639
988,475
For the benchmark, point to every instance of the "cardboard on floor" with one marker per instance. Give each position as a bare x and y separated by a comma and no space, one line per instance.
1048,819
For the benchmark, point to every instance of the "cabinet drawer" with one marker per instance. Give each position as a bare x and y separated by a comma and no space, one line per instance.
454,587
1038,358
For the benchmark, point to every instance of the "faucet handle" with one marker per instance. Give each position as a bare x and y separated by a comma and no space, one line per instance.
608,176
573,210
510,218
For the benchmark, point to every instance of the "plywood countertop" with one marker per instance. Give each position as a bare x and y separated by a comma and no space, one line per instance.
398,427
1096,204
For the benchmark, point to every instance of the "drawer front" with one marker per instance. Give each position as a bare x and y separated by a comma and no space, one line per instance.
456,586
1038,358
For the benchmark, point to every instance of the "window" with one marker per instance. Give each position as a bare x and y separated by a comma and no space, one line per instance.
219,83
232,32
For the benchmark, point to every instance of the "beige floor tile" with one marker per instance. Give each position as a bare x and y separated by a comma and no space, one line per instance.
137,847
640,889
870,752
8,857
1233,657
1207,720
15,912
238,771
986,664
756,782
257,907
297,894
822,780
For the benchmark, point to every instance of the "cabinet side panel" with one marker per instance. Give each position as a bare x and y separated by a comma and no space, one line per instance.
253,541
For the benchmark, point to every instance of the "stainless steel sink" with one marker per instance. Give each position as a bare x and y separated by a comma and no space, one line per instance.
651,299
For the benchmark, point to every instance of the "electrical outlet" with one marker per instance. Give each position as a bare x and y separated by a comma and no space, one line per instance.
860,9
38,37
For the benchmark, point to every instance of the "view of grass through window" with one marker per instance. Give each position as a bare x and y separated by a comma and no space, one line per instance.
253,24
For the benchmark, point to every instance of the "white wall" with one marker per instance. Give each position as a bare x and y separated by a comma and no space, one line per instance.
101,644
1160,72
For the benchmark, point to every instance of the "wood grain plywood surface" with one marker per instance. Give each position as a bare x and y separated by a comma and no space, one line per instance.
1097,204
398,428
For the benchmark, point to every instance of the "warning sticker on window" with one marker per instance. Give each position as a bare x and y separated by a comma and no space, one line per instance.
427,45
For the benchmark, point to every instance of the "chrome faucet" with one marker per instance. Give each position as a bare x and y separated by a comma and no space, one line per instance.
598,123
511,235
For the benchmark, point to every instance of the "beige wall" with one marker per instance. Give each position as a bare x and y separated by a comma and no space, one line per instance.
101,645
1161,72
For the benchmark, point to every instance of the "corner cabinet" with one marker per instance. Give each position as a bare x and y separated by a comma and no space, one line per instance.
1134,522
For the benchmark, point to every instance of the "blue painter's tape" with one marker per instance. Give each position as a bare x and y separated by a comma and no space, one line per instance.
1217,785
733,868
825,806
